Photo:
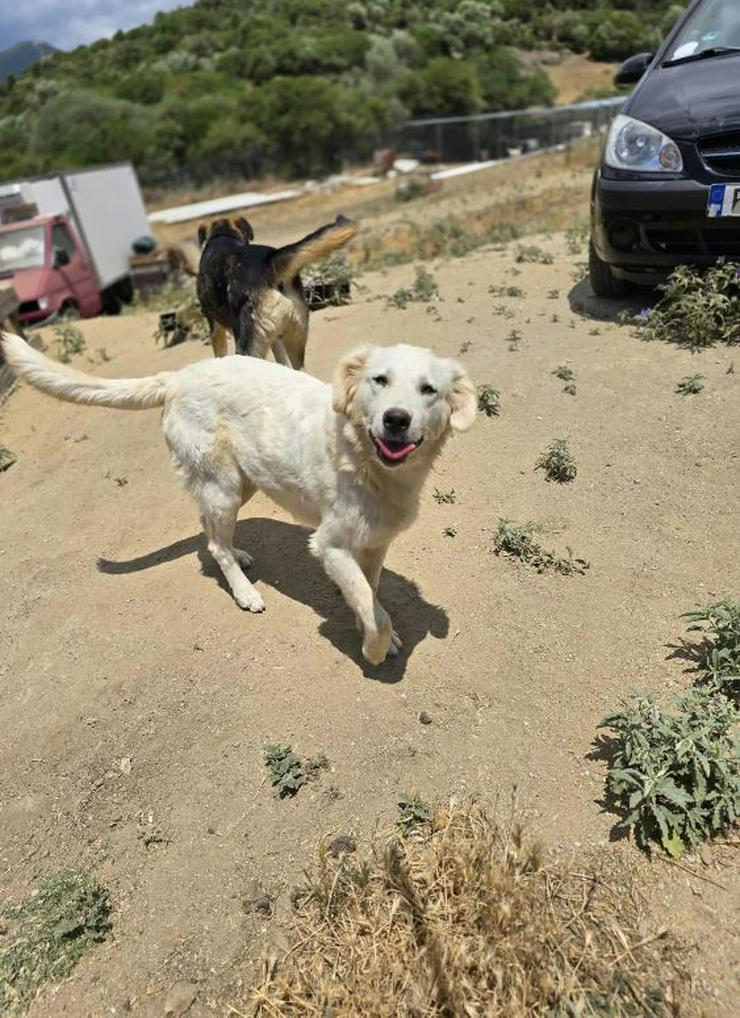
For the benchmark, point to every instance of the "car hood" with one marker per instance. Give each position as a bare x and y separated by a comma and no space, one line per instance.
690,100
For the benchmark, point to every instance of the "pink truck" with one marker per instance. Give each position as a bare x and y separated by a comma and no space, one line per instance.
65,241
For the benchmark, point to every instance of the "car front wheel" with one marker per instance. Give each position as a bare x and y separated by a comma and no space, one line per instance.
603,281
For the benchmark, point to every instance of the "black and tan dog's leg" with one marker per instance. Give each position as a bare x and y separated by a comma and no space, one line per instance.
219,339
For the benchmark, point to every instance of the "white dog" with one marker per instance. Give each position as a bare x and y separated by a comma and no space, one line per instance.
348,460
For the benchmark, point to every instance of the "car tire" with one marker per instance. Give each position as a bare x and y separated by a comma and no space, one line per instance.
69,312
603,281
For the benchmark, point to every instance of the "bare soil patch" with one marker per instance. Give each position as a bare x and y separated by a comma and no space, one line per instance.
135,696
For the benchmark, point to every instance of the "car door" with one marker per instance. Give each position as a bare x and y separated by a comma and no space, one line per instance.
77,273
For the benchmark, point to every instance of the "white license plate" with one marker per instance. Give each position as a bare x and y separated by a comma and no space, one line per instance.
724,200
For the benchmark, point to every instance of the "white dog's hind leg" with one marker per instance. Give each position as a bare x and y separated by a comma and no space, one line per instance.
346,572
219,522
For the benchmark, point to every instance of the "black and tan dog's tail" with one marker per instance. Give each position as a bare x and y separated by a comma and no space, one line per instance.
288,261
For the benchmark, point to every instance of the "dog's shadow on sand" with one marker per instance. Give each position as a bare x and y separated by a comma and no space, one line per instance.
282,560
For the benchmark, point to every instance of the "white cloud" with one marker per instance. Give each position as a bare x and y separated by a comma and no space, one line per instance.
69,23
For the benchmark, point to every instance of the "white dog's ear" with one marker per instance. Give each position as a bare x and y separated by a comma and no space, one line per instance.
463,400
347,378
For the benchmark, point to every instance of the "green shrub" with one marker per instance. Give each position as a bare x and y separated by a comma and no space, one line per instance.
675,773
695,309
489,400
517,540
558,463
286,770
718,658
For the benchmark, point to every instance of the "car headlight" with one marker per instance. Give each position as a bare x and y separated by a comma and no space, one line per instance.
43,303
635,146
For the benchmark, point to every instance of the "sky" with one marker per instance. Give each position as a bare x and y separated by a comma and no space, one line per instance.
69,23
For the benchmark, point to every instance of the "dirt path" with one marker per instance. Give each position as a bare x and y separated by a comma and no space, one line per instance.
120,644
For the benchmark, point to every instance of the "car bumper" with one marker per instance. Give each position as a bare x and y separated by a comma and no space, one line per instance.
644,229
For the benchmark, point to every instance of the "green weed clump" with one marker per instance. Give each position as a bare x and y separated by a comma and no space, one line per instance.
690,385
557,461
414,814
424,288
564,373
444,497
517,540
48,934
718,656
533,253
489,400
675,772
69,341
696,309
287,775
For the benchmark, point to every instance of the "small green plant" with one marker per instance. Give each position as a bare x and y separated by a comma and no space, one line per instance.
553,294
286,770
489,400
444,497
423,288
506,291
675,773
719,654
690,385
576,237
152,834
503,312
329,283
557,461
69,340
570,389
450,531
696,309
7,458
517,540
514,338
564,373
580,272
414,814
533,253
48,934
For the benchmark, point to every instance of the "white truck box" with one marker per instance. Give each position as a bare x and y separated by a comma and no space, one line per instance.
105,206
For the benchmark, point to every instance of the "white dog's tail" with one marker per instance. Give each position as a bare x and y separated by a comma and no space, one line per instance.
74,387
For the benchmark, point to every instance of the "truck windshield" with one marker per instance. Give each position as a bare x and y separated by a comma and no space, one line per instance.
714,24
22,249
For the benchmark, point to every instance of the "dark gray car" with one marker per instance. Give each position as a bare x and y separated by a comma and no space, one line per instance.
667,189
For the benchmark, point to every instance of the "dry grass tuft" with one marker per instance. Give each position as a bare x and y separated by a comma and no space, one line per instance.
470,921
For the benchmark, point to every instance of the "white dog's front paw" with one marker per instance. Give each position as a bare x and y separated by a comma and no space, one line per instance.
250,600
244,559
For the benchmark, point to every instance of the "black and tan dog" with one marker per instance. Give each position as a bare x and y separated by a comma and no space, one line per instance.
255,291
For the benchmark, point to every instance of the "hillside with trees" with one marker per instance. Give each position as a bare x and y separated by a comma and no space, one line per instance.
295,87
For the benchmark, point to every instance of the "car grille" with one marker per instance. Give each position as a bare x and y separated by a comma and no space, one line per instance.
721,153
28,307
702,241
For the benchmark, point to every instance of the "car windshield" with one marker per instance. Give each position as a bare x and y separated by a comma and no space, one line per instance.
22,249
714,24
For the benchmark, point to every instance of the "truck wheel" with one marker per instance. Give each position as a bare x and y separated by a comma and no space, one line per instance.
603,281
69,311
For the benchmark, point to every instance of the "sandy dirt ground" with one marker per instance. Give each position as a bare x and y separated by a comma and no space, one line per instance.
134,693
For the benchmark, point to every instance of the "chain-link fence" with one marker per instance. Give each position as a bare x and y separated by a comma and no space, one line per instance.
500,135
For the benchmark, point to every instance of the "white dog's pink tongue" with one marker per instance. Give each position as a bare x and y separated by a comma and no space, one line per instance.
395,454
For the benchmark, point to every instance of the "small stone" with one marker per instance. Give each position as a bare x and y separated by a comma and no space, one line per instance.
256,900
425,718
125,765
180,997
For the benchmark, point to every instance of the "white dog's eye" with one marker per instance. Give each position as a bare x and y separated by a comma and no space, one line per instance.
381,380
428,390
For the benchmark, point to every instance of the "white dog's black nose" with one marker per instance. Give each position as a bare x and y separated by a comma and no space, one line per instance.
396,420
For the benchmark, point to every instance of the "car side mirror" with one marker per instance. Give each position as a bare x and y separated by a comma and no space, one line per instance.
61,258
633,69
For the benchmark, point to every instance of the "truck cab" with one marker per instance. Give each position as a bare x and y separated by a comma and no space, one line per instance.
43,260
